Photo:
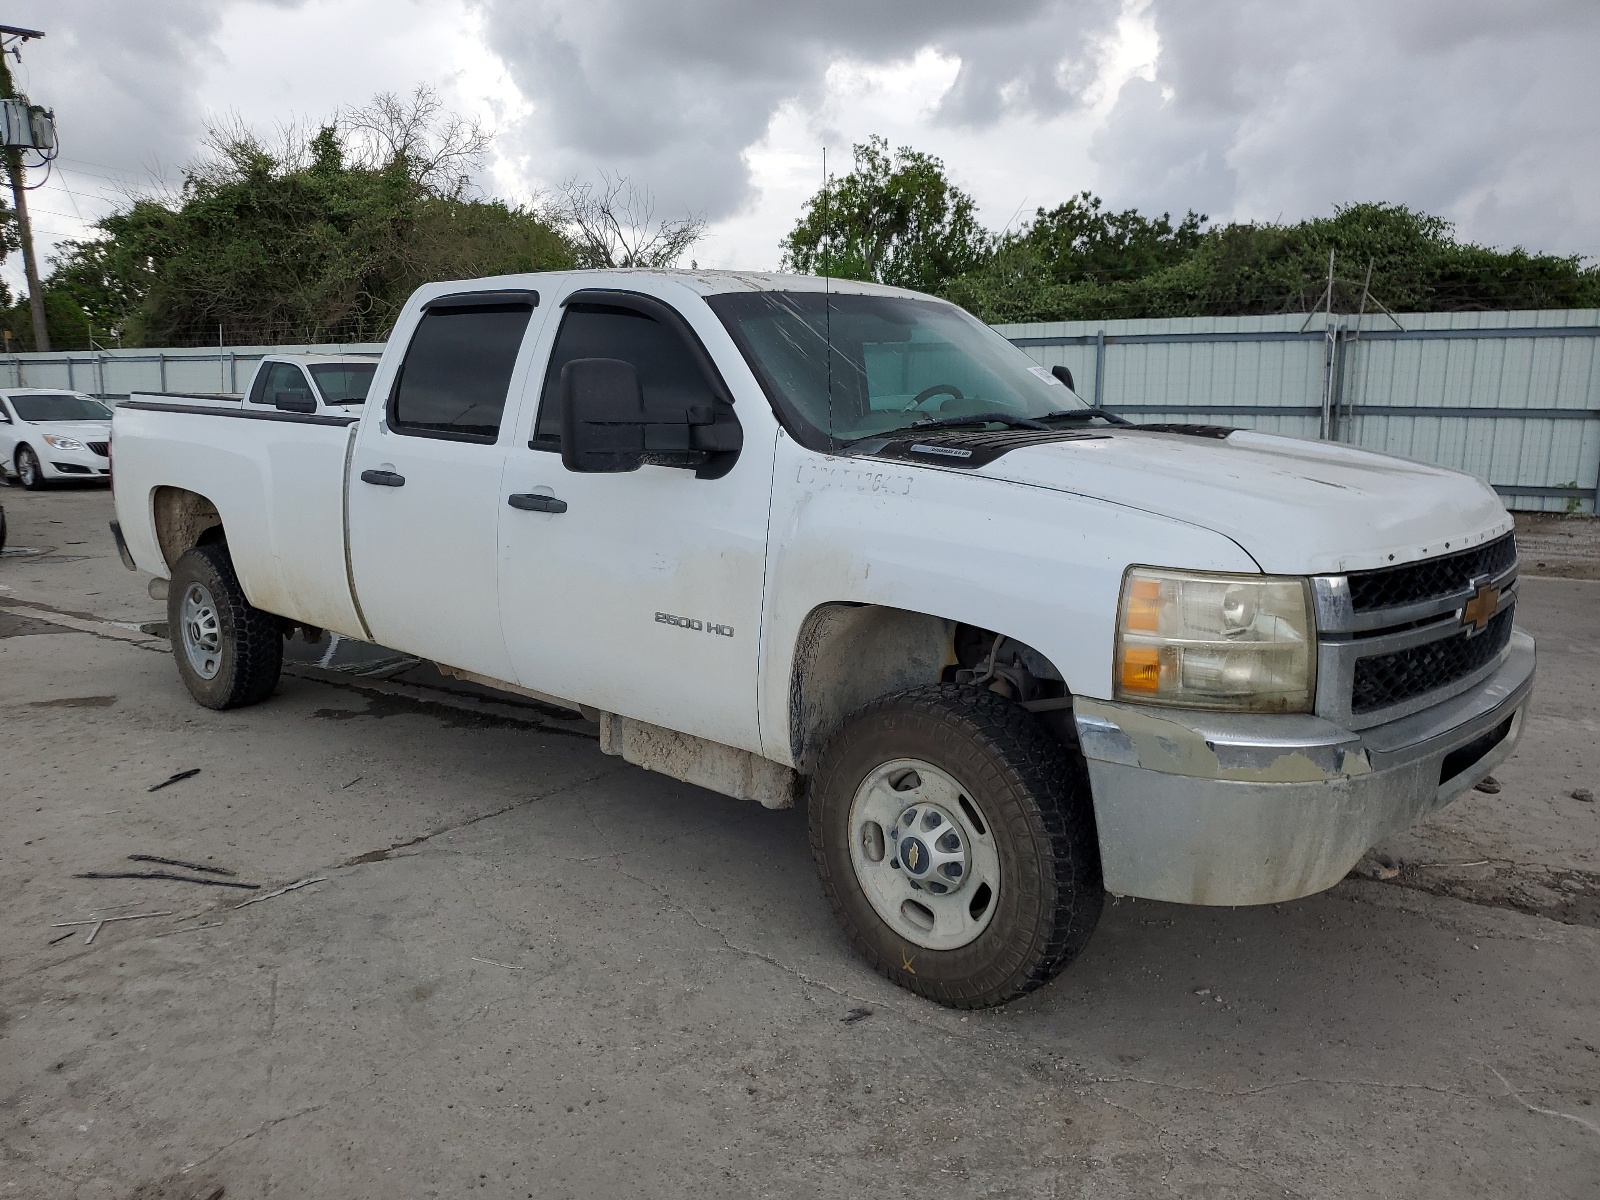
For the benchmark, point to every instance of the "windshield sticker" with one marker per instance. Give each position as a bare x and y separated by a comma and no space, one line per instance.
1046,376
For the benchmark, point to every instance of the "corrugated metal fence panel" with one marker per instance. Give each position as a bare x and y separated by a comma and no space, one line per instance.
112,374
1408,388
1405,386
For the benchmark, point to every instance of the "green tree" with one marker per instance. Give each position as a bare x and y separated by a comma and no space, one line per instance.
1418,265
893,219
320,238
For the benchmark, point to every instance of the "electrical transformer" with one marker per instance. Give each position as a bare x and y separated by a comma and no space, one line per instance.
26,126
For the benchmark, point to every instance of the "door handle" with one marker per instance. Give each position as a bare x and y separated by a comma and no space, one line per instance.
383,478
534,502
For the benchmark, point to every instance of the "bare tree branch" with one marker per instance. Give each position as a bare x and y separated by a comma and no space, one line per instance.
439,150
614,224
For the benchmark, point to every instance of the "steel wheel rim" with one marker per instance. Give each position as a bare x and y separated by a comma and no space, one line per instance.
201,631
961,836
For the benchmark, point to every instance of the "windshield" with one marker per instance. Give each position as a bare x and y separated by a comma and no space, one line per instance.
851,366
344,383
58,406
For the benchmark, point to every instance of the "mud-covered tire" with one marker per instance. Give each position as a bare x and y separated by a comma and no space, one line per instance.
1033,793
30,472
248,643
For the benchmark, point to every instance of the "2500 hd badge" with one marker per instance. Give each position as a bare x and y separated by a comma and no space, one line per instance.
694,624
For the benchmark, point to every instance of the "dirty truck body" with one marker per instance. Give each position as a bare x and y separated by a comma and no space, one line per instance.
784,538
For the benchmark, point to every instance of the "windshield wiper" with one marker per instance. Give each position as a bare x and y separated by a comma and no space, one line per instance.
1085,414
986,418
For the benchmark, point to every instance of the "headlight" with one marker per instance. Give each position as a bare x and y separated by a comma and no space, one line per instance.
63,443
1239,643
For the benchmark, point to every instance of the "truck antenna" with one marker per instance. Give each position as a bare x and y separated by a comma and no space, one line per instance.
827,293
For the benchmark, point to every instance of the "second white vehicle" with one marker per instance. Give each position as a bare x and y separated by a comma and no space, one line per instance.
289,383
47,435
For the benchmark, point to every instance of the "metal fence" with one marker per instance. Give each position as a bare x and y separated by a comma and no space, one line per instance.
1512,397
112,374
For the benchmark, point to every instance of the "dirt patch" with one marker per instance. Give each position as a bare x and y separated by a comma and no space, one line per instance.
383,704
13,625
179,1187
1566,547
75,702
1557,894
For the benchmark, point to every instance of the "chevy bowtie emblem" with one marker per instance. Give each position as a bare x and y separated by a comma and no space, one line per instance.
1477,612
912,856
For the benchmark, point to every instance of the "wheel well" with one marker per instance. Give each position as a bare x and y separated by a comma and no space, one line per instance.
850,654
184,519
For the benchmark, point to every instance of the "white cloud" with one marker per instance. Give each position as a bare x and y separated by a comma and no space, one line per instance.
1246,109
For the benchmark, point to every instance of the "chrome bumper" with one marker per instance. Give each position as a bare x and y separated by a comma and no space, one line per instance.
1223,809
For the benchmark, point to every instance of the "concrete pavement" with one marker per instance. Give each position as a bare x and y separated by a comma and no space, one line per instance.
532,970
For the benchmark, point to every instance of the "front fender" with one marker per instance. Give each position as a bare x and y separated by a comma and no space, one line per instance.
1039,565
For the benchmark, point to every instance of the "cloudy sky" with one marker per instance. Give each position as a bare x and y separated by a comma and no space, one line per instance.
1483,111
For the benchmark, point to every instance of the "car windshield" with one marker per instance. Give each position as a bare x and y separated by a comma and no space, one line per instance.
852,366
58,406
344,383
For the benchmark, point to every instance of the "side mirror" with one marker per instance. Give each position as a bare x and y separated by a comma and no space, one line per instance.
294,401
606,425
1065,376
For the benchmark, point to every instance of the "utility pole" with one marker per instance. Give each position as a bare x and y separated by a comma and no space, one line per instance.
19,192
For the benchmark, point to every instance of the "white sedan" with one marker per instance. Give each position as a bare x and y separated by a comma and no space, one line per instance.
47,435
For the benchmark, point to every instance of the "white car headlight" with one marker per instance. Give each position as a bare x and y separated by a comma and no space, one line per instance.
1238,643
63,443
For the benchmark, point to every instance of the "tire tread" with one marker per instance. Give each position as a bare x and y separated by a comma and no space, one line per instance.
1042,768
257,640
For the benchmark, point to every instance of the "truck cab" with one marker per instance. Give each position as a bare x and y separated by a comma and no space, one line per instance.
311,383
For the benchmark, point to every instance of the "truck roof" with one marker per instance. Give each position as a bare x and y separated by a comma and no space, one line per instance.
319,359
701,281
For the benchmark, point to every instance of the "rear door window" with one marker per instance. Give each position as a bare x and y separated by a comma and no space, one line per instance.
669,376
457,371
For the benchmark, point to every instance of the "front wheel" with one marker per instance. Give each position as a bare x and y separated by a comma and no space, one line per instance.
29,472
956,842
229,652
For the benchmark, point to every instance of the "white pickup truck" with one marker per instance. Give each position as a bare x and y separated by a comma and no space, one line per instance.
782,537
299,383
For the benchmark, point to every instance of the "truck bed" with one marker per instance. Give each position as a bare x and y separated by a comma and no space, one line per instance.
277,481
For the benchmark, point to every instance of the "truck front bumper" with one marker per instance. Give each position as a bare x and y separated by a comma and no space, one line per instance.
1199,808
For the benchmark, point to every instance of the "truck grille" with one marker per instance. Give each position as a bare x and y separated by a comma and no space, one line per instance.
1391,587
1387,679
103,449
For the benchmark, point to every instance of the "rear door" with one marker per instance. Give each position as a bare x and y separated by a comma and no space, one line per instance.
424,488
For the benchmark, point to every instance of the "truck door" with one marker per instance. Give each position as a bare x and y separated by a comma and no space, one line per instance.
424,487
638,593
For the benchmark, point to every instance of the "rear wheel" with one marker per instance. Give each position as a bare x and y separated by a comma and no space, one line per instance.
29,473
955,839
229,653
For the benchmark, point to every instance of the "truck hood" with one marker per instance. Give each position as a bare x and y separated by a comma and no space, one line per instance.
1296,507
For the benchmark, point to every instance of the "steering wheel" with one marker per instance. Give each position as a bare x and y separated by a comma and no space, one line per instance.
928,393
